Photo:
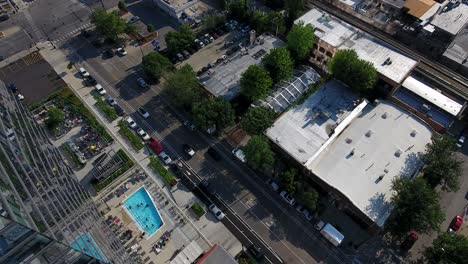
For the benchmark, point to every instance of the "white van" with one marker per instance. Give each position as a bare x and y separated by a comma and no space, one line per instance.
330,233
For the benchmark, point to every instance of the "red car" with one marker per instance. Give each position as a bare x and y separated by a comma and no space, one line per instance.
456,223
409,241
155,146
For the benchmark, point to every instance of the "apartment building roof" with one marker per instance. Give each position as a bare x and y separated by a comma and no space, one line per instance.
452,18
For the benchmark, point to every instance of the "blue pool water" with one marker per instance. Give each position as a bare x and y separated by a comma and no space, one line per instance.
143,211
88,246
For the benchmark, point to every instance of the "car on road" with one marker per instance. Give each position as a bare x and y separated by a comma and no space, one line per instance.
109,53
177,168
119,110
131,123
460,141
134,19
111,100
143,134
165,158
122,51
215,210
288,198
456,223
12,87
409,241
142,83
214,154
100,89
90,80
256,252
239,154
189,150
155,146
84,72
143,112
189,125
273,185
304,211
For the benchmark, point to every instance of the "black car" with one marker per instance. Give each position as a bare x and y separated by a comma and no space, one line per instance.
256,252
2,58
214,154
91,81
119,110
109,53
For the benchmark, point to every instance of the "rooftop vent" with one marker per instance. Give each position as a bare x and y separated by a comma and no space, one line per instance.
413,133
348,141
369,133
398,153
384,116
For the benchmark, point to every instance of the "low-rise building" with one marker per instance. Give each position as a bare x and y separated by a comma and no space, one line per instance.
456,55
183,9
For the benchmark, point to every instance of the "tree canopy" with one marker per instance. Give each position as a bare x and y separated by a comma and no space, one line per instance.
257,119
262,22
155,64
182,86
110,25
416,208
300,41
56,117
358,74
215,112
448,249
288,180
258,153
255,83
310,199
279,63
294,8
213,21
441,164
122,5
179,39
239,10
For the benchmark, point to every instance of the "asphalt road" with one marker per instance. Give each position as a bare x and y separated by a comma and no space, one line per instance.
282,227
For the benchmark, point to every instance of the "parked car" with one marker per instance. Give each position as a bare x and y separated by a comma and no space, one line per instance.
206,41
119,110
214,154
239,153
100,89
111,100
456,223
186,54
179,57
187,149
84,72
90,80
409,241
143,134
460,141
143,112
189,125
142,83
122,51
288,198
273,185
134,19
155,146
245,29
214,35
215,210
109,53
304,211
209,37
165,158
256,252
131,123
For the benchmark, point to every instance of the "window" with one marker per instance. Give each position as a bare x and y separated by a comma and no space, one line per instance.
321,49
329,54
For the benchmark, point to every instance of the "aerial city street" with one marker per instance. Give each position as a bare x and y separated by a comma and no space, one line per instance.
233,131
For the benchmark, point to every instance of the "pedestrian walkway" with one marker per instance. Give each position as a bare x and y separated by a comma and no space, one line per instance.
72,33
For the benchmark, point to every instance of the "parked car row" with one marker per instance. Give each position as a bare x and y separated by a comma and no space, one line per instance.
199,43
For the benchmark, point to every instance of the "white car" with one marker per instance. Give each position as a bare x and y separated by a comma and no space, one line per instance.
141,82
189,150
143,112
288,198
111,100
143,134
239,153
131,123
460,141
83,72
100,89
167,160
122,51
215,210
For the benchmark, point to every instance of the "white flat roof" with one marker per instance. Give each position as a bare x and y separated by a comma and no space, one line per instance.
351,3
303,130
344,36
386,141
453,19
433,96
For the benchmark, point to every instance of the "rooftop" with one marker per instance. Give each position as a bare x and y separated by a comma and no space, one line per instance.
344,36
215,255
304,129
458,49
178,3
352,3
224,79
418,8
396,3
382,143
452,18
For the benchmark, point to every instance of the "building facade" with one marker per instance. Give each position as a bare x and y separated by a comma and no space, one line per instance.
39,191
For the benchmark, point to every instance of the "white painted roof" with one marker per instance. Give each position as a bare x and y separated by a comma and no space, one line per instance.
188,255
433,96
453,19
385,141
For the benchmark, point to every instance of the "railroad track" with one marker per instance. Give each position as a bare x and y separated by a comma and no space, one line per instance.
435,71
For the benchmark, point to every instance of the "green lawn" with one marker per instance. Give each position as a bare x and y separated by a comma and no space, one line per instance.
159,168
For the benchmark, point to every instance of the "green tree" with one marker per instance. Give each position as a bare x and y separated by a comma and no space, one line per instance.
300,41
310,199
358,74
258,153
155,64
448,249
441,163
179,39
214,112
294,9
259,21
277,23
150,28
110,25
255,83
239,10
182,86
211,22
257,120
122,6
288,179
416,207
279,63
55,118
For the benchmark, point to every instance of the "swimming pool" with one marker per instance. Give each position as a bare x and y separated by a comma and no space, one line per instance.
143,211
86,244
